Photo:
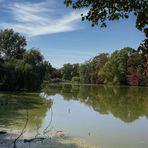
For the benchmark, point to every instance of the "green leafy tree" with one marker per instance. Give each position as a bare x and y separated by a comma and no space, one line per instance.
40,68
11,44
84,73
67,71
75,72
88,71
103,11
115,70
100,61
20,69
33,57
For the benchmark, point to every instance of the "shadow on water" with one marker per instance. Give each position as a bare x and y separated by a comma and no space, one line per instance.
125,103
13,108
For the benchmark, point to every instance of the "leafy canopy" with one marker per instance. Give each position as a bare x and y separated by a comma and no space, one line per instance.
110,10
20,69
12,44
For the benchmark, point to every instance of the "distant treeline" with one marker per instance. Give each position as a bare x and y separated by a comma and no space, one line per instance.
26,69
123,67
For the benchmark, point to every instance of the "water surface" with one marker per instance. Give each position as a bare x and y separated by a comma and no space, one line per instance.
103,116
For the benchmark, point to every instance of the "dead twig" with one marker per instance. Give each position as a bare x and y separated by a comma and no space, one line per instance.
33,140
37,132
46,129
22,132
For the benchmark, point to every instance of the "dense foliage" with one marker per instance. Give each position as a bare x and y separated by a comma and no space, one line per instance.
123,67
20,69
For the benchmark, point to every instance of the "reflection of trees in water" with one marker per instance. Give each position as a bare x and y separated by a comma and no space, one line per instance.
125,103
13,110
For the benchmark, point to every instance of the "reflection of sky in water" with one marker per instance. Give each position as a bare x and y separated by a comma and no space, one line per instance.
81,111
76,119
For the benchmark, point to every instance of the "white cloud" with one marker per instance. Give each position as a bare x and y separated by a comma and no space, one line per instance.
28,13
35,19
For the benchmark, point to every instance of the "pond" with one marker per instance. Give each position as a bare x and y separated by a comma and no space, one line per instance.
100,116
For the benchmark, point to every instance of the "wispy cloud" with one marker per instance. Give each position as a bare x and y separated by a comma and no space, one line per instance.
35,19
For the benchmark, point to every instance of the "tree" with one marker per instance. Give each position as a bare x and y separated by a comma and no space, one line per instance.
115,70
84,73
69,70
137,67
47,69
100,61
11,44
33,57
143,47
75,72
20,69
101,11
134,65
40,68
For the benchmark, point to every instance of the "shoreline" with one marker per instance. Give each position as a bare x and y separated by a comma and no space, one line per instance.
7,140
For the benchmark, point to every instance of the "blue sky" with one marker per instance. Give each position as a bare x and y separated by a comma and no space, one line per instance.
60,34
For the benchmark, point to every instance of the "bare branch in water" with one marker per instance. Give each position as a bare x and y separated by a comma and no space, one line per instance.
37,132
46,129
44,132
22,132
33,140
